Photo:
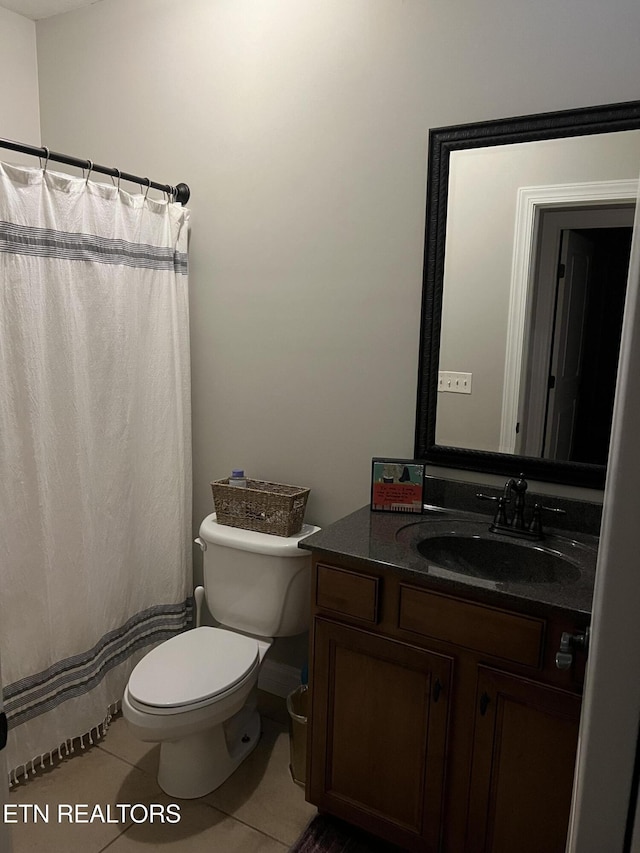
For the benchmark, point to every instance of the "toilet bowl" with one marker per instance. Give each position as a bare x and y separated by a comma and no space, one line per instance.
195,694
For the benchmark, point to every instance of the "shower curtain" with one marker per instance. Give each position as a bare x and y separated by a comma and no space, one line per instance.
95,450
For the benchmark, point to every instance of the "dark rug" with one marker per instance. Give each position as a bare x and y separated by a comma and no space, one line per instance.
329,835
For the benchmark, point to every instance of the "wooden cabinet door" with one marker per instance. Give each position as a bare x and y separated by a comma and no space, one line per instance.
524,753
378,734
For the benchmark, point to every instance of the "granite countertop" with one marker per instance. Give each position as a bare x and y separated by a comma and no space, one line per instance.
389,540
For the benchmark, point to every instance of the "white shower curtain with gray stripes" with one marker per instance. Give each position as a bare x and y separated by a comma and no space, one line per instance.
95,450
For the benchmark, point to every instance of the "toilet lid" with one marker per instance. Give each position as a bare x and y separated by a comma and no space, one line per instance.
192,667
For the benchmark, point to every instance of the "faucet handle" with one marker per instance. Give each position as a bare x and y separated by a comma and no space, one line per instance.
536,519
555,509
501,511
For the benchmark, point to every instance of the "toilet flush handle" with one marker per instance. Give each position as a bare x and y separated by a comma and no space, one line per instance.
198,594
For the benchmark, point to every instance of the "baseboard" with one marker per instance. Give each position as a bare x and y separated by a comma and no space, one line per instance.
278,678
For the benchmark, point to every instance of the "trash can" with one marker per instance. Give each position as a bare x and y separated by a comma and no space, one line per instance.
297,708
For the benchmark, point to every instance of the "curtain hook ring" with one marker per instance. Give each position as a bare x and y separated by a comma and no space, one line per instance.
148,188
90,162
46,162
119,174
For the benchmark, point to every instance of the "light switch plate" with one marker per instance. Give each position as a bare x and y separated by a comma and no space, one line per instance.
454,382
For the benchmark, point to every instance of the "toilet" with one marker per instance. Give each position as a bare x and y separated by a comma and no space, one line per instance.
195,694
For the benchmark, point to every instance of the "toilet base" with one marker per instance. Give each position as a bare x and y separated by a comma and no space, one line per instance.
199,763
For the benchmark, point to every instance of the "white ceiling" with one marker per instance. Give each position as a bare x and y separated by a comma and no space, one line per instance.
37,9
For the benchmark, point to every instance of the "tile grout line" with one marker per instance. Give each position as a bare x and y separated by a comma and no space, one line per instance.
118,836
244,823
124,760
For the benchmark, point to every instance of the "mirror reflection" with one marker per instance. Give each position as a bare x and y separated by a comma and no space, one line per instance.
526,264
537,251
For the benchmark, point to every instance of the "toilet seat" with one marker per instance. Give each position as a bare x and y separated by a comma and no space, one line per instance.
193,669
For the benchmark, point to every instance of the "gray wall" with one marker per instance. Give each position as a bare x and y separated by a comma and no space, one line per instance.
302,131
19,104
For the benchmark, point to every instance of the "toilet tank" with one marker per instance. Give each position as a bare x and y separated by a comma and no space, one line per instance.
256,582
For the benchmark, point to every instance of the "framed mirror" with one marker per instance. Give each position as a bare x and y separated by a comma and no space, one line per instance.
528,234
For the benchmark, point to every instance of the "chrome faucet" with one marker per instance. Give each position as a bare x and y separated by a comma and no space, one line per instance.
514,523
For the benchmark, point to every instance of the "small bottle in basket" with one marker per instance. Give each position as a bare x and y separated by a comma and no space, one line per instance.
238,479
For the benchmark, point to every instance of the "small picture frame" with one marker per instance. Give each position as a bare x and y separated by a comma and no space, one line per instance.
397,485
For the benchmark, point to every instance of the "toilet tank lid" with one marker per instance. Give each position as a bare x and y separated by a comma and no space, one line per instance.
250,540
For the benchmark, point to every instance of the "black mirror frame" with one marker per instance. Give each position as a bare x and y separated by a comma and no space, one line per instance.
442,141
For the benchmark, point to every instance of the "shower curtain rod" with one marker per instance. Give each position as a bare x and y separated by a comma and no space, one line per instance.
180,193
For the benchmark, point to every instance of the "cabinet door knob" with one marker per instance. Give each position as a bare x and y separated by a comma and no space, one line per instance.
437,690
484,703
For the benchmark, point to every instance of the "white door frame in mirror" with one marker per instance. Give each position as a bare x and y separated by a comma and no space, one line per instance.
531,202
559,234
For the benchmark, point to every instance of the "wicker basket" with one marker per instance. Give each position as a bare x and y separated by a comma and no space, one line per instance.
265,507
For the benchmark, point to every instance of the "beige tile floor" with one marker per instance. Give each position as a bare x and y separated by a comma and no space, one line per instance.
259,809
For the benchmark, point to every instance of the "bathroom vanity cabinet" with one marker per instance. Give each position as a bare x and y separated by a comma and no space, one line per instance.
439,721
